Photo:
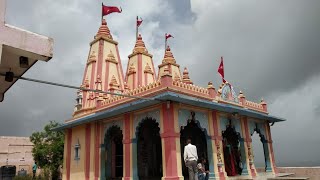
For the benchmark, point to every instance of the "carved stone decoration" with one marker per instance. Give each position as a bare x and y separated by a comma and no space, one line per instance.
92,58
98,83
185,77
147,69
250,154
201,119
132,69
227,93
165,71
114,82
85,83
176,77
111,58
219,153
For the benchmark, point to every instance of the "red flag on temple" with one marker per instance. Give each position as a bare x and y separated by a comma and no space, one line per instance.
221,70
110,9
168,36
139,21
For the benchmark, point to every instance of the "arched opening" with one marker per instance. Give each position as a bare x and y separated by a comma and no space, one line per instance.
231,151
258,152
149,155
113,153
261,153
198,138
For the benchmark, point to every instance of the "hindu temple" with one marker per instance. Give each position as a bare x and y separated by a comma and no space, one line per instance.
142,133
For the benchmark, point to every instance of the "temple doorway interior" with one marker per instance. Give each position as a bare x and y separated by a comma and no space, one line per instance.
114,153
198,138
149,150
231,151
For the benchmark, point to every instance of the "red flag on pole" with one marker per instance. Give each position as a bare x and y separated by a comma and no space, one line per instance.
221,70
168,36
139,21
110,9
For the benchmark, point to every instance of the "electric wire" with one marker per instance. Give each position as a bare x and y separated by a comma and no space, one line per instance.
81,88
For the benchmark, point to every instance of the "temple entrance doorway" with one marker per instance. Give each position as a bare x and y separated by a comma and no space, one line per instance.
114,153
198,138
231,151
149,148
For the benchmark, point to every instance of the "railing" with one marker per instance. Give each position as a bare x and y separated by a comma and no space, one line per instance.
253,105
191,87
134,92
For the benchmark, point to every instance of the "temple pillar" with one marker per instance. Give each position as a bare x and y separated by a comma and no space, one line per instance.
67,154
244,149
210,151
267,156
244,159
268,146
103,162
248,148
217,170
134,159
127,149
170,139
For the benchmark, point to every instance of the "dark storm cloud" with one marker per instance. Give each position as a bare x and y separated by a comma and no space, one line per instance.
267,46
270,49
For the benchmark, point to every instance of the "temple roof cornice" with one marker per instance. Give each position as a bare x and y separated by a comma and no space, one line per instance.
104,38
168,63
136,53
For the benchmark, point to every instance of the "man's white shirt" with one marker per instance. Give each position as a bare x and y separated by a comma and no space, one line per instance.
190,153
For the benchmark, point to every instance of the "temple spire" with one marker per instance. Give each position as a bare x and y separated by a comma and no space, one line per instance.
170,63
185,77
104,30
103,70
140,69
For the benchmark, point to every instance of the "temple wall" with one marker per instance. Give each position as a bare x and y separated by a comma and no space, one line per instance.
77,165
16,151
170,117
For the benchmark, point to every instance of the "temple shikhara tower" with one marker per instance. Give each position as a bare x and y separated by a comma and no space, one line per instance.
142,134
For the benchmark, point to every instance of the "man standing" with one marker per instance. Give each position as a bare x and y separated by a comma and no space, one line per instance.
34,169
190,158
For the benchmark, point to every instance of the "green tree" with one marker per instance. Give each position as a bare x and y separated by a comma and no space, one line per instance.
48,148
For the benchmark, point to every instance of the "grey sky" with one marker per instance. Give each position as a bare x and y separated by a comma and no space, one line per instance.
270,49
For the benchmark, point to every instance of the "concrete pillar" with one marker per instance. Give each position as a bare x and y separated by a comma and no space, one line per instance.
170,139
216,142
267,157
211,158
270,148
134,159
103,162
248,148
127,148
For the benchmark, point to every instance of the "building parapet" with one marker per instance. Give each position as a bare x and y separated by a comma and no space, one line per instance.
166,83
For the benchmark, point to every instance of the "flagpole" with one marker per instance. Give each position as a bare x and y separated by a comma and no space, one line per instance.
101,12
137,28
223,66
165,42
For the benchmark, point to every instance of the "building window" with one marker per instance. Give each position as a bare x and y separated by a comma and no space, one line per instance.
77,151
